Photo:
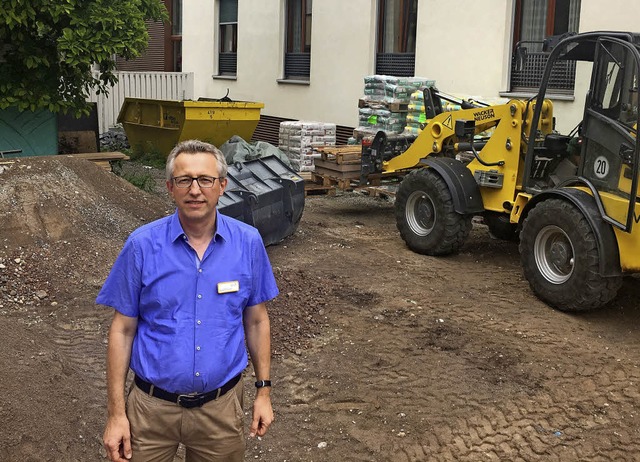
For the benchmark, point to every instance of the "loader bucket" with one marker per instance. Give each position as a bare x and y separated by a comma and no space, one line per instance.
266,194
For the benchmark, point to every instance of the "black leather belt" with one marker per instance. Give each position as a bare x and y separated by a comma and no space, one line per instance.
190,400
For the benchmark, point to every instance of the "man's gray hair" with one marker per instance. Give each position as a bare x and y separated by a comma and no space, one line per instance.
195,147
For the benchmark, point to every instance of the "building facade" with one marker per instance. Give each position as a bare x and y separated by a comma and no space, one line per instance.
307,59
164,50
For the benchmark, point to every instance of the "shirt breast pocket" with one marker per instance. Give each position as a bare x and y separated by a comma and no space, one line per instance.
233,295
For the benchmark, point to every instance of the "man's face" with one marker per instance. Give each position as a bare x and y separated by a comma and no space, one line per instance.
195,203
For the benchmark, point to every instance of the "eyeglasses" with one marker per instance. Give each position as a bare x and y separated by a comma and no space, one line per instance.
184,182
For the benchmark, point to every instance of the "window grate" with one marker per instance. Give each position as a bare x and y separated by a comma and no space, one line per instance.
396,64
227,63
527,70
297,66
268,130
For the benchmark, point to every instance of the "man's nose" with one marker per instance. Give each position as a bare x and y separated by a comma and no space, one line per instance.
194,183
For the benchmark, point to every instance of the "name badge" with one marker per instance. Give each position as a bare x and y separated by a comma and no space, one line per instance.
228,287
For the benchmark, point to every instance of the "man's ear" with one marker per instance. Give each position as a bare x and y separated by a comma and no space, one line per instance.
223,185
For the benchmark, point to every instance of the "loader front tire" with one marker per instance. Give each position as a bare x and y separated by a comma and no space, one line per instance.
425,215
560,258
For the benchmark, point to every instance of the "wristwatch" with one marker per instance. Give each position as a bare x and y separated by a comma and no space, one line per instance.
263,383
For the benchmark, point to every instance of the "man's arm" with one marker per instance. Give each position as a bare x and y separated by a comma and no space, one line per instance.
258,334
117,435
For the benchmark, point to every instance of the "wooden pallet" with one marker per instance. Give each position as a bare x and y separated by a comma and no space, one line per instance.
345,184
346,154
378,191
313,189
393,107
306,176
345,170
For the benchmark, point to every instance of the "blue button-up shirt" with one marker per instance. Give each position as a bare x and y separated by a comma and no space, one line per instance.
190,334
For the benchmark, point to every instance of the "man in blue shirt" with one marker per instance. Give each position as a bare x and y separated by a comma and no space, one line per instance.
187,290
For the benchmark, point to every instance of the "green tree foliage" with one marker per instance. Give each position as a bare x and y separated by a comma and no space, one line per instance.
48,47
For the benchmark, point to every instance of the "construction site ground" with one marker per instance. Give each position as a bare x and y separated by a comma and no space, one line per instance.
379,354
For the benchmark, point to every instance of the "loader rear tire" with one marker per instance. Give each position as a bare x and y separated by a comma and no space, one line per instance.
425,215
560,258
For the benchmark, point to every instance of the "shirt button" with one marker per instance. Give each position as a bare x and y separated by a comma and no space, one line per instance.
198,348
199,322
197,374
199,270
184,236
199,295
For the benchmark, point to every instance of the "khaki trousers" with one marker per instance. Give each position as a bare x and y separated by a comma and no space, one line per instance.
213,432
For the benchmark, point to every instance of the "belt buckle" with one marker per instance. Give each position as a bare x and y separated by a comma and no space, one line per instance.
191,400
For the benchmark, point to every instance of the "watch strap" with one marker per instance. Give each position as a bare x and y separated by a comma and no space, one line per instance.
263,383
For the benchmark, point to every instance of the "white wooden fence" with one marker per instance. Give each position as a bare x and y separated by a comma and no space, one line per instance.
152,85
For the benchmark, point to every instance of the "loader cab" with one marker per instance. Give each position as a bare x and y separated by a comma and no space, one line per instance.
605,150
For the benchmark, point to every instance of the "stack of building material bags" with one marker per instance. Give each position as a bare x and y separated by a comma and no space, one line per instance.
385,103
416,116
299,140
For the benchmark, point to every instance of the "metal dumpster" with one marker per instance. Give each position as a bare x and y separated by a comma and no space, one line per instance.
158,125
266,194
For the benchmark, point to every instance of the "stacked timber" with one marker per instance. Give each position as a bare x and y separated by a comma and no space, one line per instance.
338,166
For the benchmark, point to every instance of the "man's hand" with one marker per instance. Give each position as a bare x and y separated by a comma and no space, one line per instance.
117,439
262,415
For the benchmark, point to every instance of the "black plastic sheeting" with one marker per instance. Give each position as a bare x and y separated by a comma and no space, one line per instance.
266,194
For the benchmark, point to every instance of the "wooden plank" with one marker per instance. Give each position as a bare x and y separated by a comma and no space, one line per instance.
391,106
338,168
346,148
101,159
351,158
398,107
347,154
78,141
340,183
97,156
319,189
378,191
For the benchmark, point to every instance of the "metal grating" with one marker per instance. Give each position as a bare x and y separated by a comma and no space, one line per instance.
397,64
297,66
228,63
343,133
526,73
269,127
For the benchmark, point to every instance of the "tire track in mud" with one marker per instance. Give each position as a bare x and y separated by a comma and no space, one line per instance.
500,419
454,359
78,340
59,369
523,422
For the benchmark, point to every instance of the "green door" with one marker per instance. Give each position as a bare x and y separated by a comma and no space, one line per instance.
35,133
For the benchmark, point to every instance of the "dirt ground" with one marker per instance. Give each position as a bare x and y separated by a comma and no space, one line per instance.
379,354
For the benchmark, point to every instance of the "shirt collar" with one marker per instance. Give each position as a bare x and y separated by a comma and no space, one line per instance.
176,231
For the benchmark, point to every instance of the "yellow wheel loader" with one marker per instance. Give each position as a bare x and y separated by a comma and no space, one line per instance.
571,199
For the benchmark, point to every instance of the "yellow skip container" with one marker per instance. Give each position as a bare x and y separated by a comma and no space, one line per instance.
152,124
